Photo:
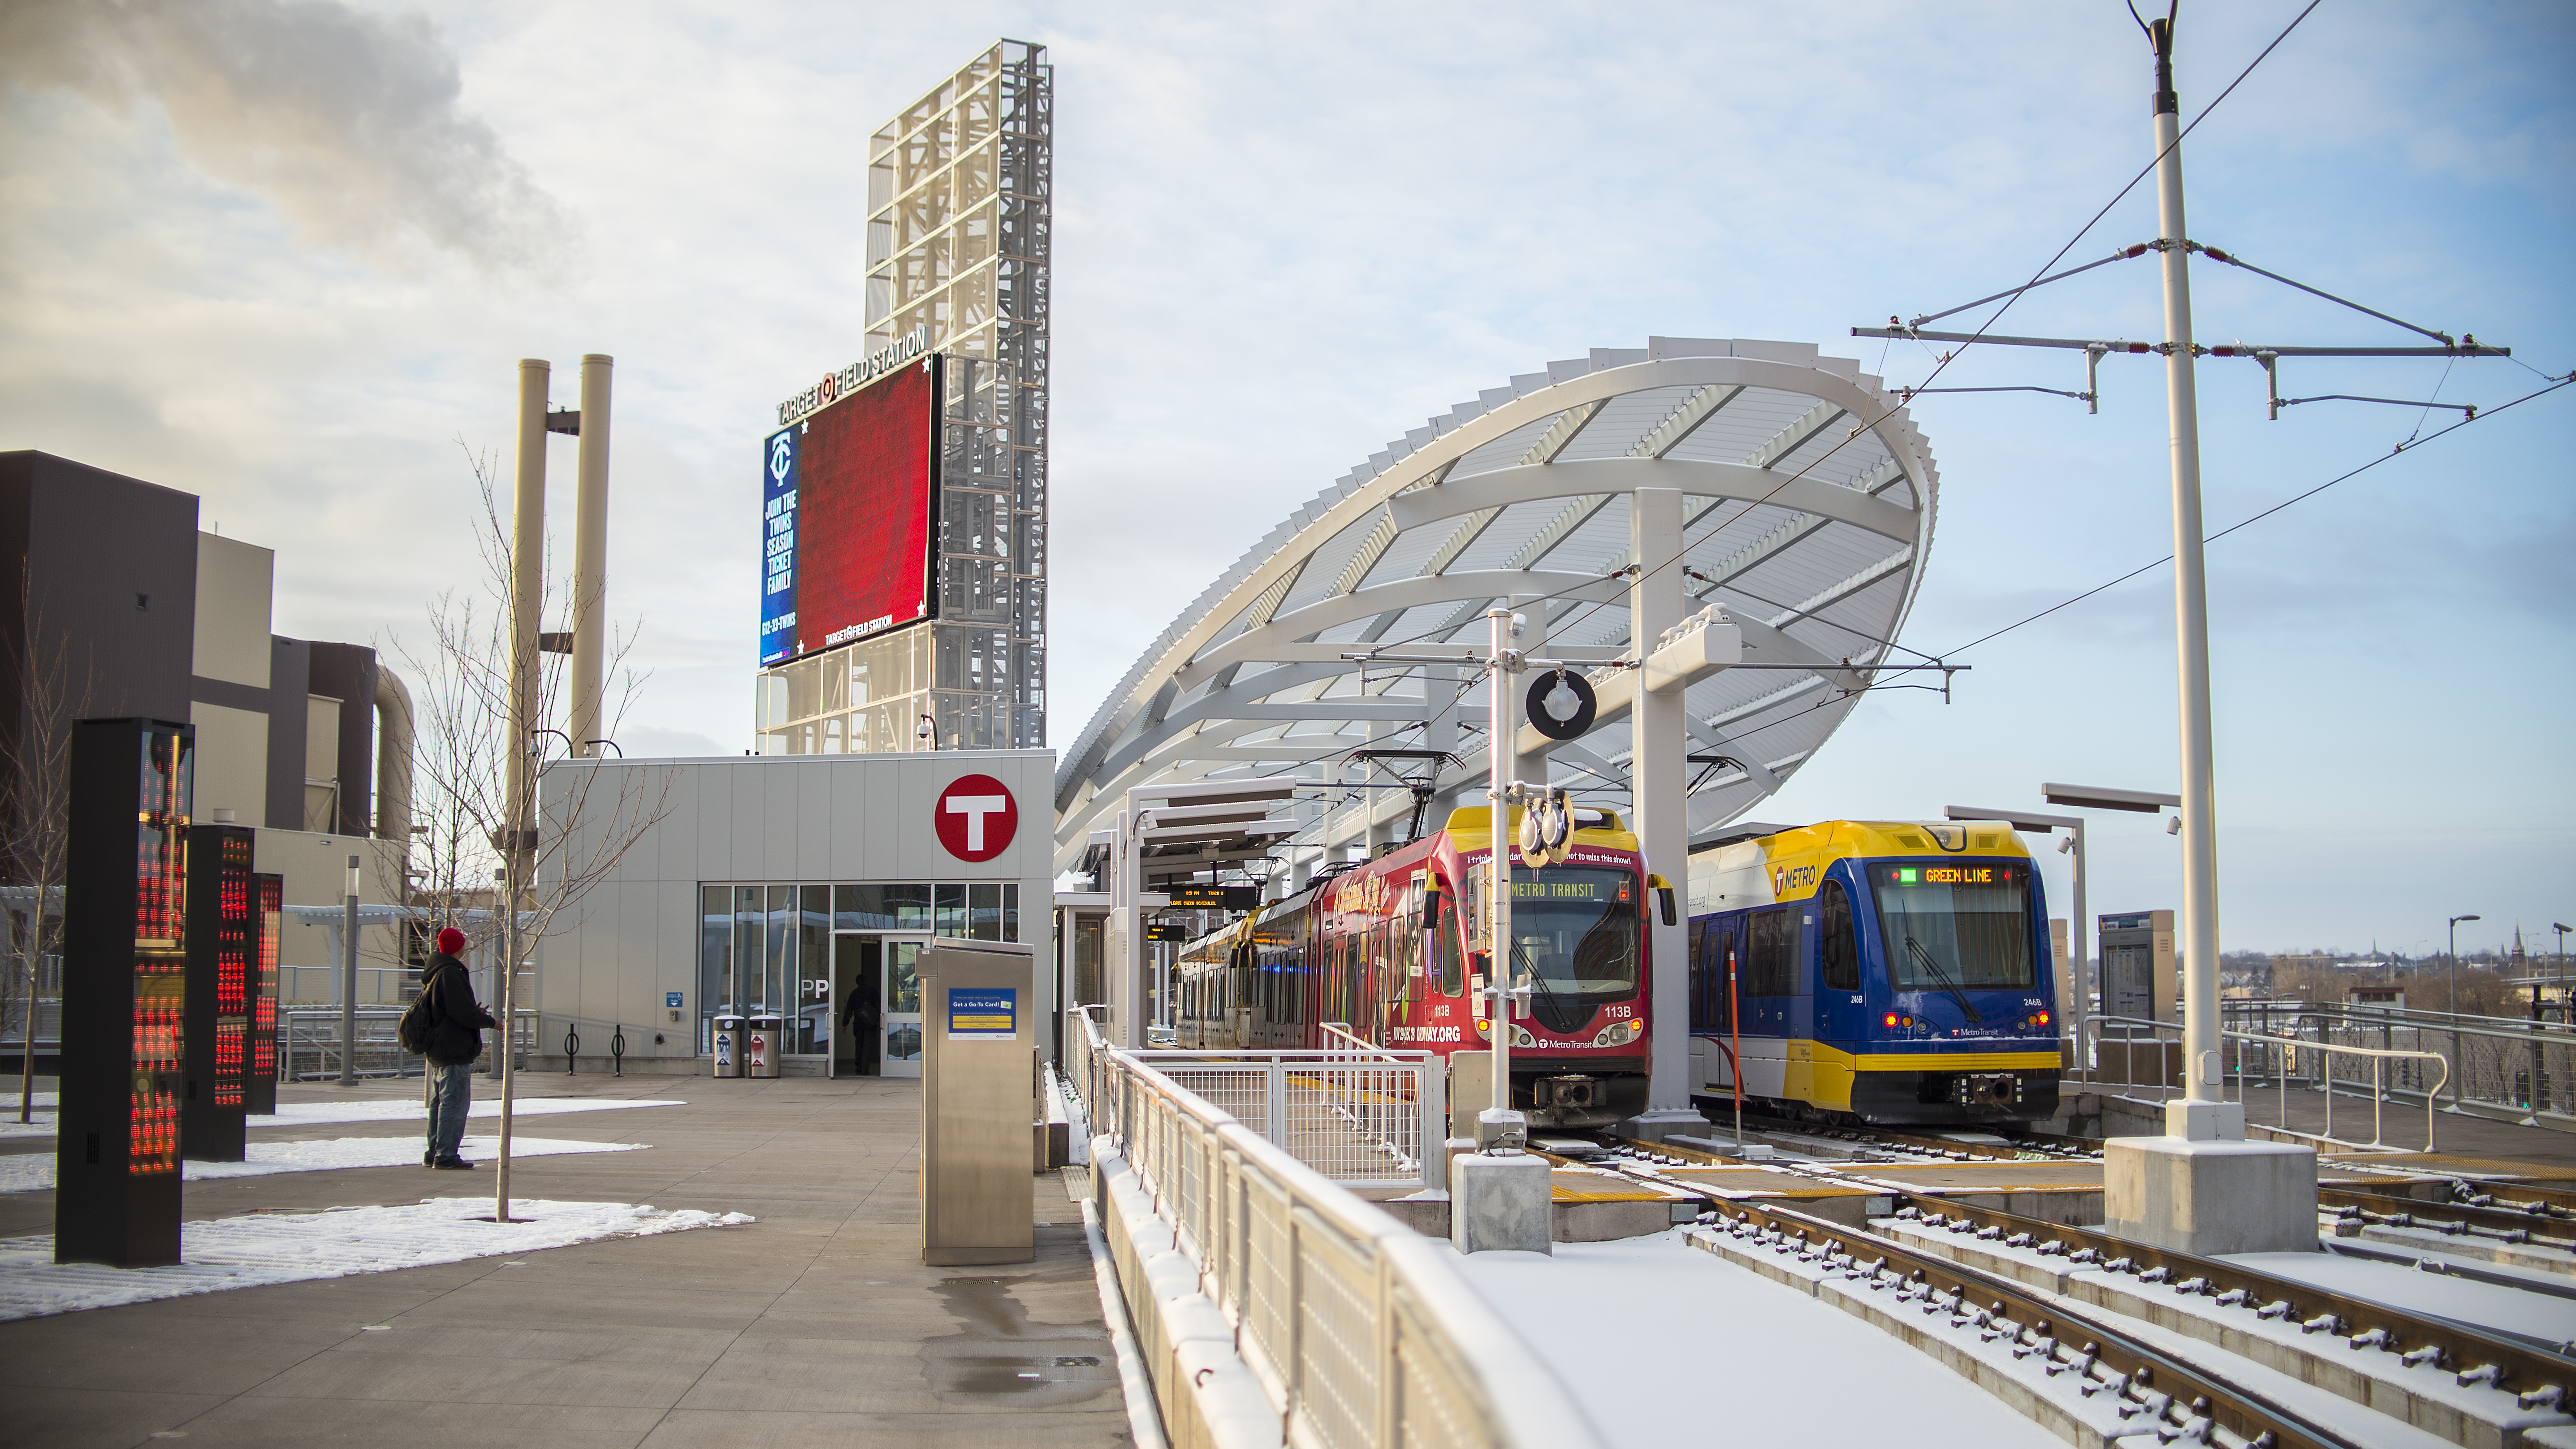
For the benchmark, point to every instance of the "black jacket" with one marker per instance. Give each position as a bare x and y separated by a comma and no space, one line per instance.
456,1019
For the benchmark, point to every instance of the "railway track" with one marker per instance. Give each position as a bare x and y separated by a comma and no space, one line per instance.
2454,1219
2153,1391
2016,1147
2538,1377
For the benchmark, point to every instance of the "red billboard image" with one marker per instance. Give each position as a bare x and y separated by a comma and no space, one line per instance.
863,510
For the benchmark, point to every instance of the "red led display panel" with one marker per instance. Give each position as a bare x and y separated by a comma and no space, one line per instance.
223,945
853,484
268,906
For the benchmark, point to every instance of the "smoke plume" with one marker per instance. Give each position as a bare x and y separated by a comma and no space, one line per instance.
349,120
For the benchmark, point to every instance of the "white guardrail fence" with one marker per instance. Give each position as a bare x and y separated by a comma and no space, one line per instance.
1351,1329
2260,1059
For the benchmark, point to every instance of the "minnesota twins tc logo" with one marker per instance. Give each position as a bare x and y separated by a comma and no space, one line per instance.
782,456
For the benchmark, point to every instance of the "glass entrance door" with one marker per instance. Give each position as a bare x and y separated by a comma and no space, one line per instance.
902,1056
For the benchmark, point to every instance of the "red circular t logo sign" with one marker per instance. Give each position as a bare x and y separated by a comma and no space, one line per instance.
976,817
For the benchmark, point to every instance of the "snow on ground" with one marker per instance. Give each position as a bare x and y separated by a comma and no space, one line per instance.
2462,1300
266,1248
317,1114
1666,1344
34,1171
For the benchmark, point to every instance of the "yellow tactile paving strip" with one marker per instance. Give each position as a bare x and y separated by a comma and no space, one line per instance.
1761,1181
1984,1176
1575,1184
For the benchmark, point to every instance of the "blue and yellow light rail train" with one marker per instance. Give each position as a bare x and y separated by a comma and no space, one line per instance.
1884,972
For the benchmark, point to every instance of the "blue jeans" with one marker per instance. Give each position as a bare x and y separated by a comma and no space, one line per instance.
451,1089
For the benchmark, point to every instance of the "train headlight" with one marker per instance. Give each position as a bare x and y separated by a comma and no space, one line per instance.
1891,1021
1522,1038
1484,1029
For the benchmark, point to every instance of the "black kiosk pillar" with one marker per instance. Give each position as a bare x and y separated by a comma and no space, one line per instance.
116,1177
223,963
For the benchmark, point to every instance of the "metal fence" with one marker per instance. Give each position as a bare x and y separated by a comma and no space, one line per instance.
309,1048
2499,1066
1360,1332
2250,1060
1360,1118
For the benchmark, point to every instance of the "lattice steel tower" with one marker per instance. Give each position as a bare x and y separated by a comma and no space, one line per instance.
960,190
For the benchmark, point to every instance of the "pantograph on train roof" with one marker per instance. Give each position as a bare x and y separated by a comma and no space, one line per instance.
1810,503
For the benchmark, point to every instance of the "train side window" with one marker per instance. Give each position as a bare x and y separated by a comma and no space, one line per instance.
1702,1010
1444,960
1771,953
1837,948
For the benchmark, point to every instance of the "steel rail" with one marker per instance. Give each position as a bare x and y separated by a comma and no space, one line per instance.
2452,1219
2525,1282
2199,1407
2537,1378
2536,1202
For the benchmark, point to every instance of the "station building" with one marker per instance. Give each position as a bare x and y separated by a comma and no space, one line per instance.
111,591
775,886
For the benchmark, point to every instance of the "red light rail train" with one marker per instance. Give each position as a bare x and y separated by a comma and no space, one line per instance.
1385,947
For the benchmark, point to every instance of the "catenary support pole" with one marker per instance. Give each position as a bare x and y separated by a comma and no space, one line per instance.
2191,610
349,983
1659,793
1503,723
590,557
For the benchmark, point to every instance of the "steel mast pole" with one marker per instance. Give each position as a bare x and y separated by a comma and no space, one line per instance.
1500,731
2191,611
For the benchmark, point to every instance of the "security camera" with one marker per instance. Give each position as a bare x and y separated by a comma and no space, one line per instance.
2066,846
2174,826
1519,622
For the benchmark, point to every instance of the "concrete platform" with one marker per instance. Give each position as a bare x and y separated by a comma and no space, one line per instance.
815,1325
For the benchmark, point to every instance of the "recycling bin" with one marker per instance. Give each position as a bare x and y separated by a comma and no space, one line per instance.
729,1046
763,1046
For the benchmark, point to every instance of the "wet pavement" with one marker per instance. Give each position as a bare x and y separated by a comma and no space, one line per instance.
816,1324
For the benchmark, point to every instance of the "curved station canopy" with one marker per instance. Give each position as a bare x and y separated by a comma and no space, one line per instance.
1807,510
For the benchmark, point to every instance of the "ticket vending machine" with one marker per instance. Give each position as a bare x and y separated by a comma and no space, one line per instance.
223,975
978,1097
125,990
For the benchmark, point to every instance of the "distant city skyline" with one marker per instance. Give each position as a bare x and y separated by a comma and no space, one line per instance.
291,266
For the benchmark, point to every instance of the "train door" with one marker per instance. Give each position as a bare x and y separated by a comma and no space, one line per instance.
1841,1005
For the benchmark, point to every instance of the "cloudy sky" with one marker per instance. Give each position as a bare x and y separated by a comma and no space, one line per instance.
285,254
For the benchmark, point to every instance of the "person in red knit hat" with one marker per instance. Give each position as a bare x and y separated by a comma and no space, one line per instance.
457,1022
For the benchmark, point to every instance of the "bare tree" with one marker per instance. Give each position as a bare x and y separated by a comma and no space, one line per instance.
462,782
35,809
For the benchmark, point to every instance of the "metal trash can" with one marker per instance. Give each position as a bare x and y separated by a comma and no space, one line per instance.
728,1046
766,1041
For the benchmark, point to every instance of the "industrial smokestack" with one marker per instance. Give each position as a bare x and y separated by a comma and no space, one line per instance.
590,557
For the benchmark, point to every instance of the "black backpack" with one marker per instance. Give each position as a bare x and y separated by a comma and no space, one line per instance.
413,1031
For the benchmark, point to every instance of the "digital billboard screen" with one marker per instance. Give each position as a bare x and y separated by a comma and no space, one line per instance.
846,508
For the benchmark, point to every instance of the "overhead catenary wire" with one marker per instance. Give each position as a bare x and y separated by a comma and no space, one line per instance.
2400,449
2009,298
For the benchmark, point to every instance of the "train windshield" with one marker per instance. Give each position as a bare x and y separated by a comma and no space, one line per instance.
1962,927
1575,930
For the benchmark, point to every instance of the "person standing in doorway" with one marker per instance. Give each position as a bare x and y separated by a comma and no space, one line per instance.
457,1022
860,1016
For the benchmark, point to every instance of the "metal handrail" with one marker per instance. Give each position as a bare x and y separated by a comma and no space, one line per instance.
1339,1310
2329,1050
1353,1043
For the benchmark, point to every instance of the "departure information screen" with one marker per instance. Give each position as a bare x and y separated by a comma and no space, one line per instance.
1946,875
846,517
